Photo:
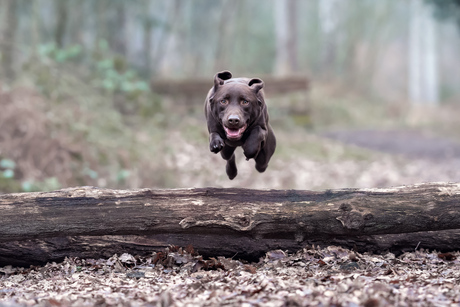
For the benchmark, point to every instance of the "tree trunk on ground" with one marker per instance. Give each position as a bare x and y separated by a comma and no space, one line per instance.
91,222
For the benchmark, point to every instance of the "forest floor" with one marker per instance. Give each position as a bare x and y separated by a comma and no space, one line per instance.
345,141
412,144
331,276
170,150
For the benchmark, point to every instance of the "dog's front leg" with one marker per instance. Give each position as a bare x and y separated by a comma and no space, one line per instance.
254,142
216,143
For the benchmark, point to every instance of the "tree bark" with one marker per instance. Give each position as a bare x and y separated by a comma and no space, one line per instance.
92,222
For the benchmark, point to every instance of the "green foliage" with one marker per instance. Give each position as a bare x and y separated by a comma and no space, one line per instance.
123,175
60,55
7,182
10,184
7,164
49,184
113,74
100,105
7,167
111,71
104,71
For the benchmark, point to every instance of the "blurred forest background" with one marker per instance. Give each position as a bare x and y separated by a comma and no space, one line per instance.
78,105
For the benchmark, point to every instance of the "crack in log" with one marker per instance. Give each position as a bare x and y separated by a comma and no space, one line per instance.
242,224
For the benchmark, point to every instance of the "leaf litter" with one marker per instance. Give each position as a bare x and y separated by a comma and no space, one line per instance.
331,276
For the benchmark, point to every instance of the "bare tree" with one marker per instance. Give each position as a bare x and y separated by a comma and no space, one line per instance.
286,36
147,24
292,45
423,75
61,21
172,62
329,21
9,37
35,24
121,37
225,33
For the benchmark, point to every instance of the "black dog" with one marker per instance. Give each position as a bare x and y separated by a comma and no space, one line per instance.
237,116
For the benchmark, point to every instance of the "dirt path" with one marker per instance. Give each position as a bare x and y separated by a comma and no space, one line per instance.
411,144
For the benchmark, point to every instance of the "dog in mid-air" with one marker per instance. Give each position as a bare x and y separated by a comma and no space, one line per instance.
237,116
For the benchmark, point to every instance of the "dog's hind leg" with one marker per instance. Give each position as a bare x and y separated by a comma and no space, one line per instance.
228,154
261,161
231,168
266,152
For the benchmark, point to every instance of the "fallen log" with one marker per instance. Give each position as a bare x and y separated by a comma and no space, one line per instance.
92,222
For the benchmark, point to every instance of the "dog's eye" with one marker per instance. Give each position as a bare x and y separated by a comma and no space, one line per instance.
244,102
224,101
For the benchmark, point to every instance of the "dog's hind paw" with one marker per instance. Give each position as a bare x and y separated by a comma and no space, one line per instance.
261,168
231,169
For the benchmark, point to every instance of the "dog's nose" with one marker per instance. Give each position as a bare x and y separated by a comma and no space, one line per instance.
233,120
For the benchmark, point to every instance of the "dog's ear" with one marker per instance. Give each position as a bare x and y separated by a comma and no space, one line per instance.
220,77
256,84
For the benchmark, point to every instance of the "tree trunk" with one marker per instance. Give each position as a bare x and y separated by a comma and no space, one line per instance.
329,22
225,34
100,24
292,43
423,75
171,62
121,23
9,38
61,23
35,25
92,222
282,37
147,39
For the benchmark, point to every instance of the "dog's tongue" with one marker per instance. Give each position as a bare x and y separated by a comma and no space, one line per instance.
233,132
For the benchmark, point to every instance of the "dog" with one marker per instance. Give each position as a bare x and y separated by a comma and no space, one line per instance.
237,115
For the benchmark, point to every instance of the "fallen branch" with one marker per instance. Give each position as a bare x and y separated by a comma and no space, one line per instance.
92,222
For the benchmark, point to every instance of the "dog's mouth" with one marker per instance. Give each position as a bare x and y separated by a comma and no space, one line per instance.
234,134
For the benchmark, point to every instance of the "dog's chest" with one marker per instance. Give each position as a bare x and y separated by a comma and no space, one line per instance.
235,143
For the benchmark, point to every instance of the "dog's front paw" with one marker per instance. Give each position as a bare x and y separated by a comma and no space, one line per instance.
216,145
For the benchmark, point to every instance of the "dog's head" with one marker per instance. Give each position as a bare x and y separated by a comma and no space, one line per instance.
237,103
